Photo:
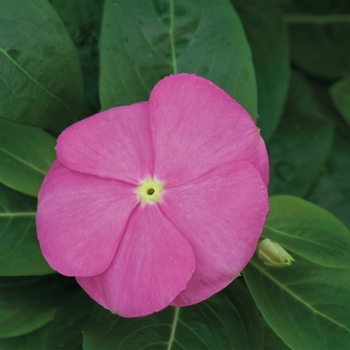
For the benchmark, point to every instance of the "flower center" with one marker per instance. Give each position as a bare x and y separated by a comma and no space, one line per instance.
150,190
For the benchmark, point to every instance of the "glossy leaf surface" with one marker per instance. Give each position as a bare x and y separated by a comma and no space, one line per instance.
302,143
144,41
40,81
306,304
20,254
26,154
309,231
228,320
267,36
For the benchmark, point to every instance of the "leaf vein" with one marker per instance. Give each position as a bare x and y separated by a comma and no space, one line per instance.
20,68
288,291
22,161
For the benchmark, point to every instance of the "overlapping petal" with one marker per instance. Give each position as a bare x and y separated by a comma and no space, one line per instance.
136,258
221,214
152,266
81,219
196,127
114,144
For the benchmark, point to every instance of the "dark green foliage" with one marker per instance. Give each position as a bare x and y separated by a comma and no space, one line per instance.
40,81
299,148
267,35
286,61
228,320
156,39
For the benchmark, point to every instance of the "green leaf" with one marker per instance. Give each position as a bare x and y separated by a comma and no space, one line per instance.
321,95
33,341
267,36
313,8
308,230
40,81
302,143
70,319
319,32
340,94
83,21
307,304
144,41
26,154
332,188
29,303
20,253
271,340
222,322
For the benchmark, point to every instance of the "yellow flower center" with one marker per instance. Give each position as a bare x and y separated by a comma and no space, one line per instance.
150,190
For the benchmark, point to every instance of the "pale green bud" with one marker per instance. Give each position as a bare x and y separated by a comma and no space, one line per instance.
272,254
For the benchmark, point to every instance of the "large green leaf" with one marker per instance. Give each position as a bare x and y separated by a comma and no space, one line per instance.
26,154
307,304
267,36
228,320
340,94
83,20
71,317
309,231
271,340
20,254
332,188
40,81
302,143
32,341
313,8
143,41
319,36
320,94
29,303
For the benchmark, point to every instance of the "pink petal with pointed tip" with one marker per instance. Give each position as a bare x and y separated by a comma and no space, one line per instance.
81,219
152,266
196,127
221,214
114,144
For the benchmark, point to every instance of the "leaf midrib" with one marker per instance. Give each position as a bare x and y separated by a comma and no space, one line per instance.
18,214
288,291
22,161
284,233
317,19
31,78
173,327
171,34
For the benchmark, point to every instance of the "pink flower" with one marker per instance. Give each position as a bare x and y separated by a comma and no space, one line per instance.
158,203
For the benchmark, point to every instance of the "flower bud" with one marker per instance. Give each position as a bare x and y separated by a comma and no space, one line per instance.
272,254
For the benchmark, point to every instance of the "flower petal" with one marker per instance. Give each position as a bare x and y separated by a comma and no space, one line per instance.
152,266
81,219
221,214
196,127
114,144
